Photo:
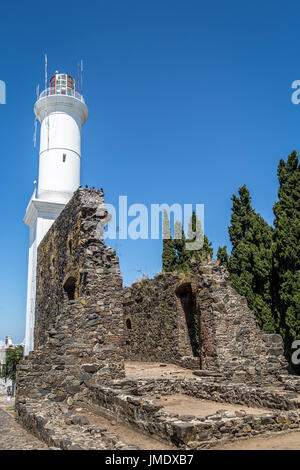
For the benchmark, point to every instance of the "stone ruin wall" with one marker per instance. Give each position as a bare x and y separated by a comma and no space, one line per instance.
78,325
155,322
199,320
231,339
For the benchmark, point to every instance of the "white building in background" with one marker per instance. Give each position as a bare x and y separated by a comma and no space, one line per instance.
61,111
4,347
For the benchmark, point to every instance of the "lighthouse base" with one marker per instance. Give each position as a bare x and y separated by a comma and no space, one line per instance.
40,215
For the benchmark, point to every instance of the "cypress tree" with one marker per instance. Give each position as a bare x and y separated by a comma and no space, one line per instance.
286,288
183,258
202,247
223,256
169,258
175,255
250,263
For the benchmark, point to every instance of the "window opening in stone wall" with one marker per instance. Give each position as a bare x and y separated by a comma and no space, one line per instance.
128,324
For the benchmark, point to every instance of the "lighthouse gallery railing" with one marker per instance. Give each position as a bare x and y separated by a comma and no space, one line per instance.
67,91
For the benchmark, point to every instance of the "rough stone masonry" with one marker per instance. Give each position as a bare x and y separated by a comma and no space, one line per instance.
78,324
198,320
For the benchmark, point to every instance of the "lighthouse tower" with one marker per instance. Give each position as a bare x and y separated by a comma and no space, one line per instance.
61,111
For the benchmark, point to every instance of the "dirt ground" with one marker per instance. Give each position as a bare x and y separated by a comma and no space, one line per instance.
155,370
126,433
185,405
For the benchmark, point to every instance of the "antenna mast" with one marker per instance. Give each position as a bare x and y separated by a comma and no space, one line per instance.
78,79
81,85
46,72
35,120
46,82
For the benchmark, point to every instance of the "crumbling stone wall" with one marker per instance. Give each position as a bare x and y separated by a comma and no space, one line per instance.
176,318
79,322
230,338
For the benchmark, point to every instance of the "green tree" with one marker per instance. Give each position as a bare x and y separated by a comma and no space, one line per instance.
169,258
9,369
176,254
250,263
202,248
286,286
223,256
182,256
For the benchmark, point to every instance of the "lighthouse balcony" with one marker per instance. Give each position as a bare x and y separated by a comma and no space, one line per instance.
61,91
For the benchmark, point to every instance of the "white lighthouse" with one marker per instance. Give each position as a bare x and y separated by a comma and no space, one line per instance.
61,110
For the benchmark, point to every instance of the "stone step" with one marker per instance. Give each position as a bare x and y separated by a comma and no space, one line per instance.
207,373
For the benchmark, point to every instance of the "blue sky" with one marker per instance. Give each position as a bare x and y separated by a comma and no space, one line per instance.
188,101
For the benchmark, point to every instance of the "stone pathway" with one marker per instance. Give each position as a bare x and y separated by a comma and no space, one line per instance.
14,437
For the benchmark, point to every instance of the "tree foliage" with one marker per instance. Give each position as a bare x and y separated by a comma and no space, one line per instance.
223,256
264,264
169,254
201,247
13,356
182,256
286,250
179,253
250,263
